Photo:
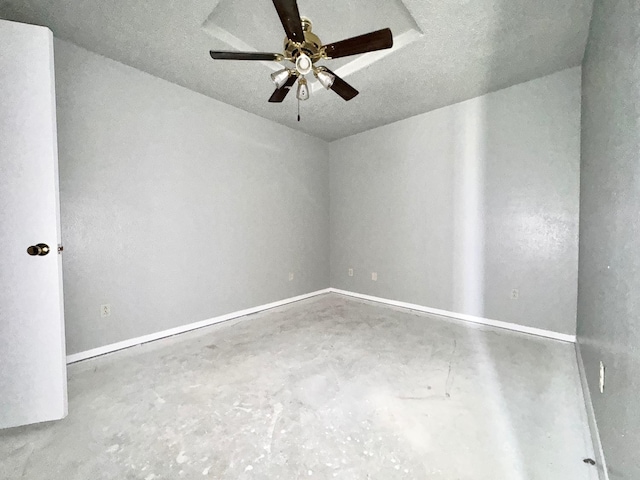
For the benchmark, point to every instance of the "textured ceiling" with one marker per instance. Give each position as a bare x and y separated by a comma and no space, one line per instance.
445,51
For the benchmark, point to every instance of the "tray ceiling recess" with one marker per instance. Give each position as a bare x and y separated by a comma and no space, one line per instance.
246,39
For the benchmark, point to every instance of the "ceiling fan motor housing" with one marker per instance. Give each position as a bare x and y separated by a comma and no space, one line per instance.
311,46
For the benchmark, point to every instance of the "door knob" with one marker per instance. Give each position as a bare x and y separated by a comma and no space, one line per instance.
39,250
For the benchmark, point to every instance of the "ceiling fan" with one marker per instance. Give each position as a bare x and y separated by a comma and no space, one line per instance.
303,48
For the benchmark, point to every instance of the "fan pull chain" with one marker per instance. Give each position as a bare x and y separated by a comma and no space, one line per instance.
298,109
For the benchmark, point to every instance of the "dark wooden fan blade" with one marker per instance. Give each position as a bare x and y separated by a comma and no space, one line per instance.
369,42
290,18
342,88
280,93
245,56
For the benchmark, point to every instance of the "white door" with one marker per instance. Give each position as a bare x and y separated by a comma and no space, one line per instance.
33,376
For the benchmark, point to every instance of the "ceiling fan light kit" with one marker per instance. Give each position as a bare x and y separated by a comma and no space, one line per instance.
304,49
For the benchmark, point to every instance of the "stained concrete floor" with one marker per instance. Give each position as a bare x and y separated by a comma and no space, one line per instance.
330,387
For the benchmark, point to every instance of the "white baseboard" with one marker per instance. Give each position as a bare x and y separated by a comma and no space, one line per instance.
461,316
603,473
95,352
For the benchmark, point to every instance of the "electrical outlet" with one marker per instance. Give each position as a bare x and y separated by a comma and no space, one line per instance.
515,293
602,372
374,276
351,272
290,276
105,310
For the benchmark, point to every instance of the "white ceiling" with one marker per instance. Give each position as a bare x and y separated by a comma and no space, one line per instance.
445,51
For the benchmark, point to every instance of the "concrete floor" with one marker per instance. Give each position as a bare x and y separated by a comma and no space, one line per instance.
329,387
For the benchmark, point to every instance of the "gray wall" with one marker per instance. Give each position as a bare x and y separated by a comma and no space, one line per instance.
457,207
609,279
175,207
